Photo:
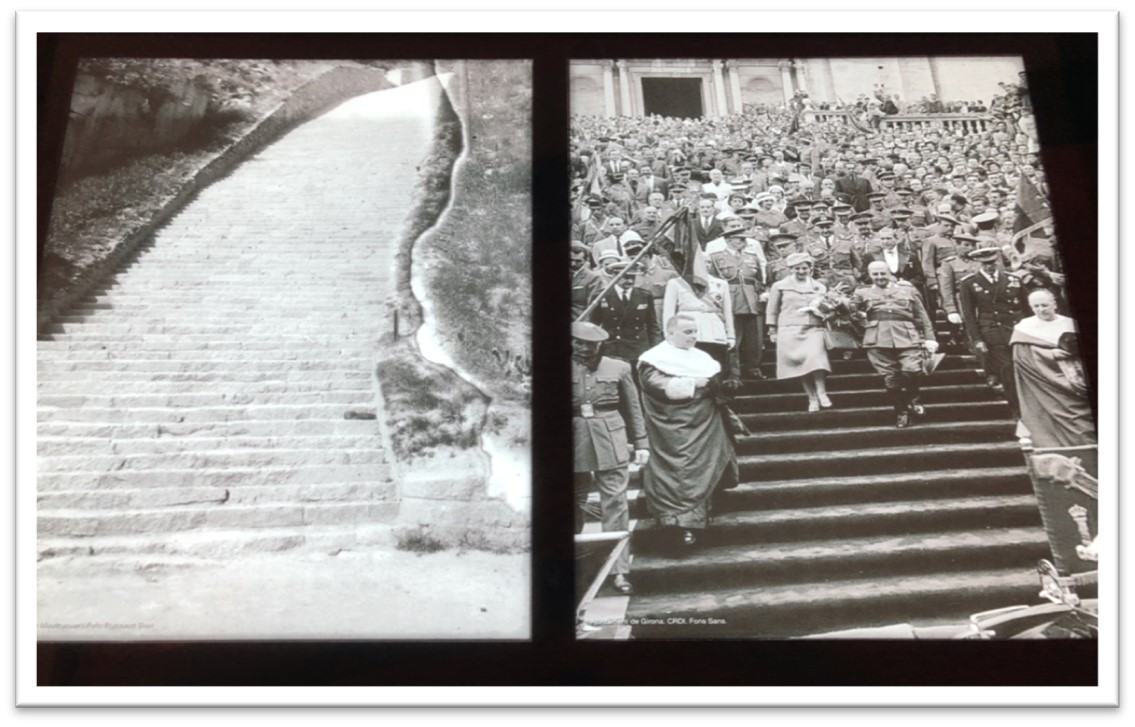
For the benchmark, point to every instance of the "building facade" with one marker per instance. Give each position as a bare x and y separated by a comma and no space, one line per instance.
718,87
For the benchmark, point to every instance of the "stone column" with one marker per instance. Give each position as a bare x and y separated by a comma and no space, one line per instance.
608,90
802,76
786,79
719,88
735,87
624,89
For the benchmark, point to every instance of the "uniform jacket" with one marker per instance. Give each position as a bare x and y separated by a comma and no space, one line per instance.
586,285
601,440
632,325
936,251
856,188
743,270
896,317
950,274
990,310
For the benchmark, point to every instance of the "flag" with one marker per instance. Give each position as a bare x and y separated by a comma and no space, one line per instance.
685,251
579,212
1032,209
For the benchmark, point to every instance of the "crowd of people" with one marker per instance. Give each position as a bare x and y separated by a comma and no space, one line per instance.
814,238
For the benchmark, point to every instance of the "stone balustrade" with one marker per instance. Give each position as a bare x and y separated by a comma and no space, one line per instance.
949,123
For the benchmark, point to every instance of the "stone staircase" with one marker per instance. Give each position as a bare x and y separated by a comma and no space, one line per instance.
197,403
843,521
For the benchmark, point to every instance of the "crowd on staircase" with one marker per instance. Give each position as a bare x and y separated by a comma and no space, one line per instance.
780,234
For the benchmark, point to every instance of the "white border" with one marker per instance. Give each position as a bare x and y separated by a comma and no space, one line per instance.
29,23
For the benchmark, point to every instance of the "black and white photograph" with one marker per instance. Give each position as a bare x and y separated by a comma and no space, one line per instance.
283,358
825,383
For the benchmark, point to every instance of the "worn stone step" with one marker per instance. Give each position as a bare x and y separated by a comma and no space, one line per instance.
82,386
882,460
85,523
927,432
75,445
158,497
219,543
217,458
872,416
860,365
834,489
840,399
207,477
861,519
335,365
249,428
889,554
852,382
196,414
316,347
802,608
134,400
210,378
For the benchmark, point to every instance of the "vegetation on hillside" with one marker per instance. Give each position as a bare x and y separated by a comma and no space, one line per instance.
480,277
92,212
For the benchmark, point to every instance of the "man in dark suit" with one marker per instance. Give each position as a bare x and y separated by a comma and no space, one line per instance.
900,263
649,183
626,313
992,303
848,182
707,224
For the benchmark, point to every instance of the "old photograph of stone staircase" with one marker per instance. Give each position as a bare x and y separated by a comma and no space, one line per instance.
284,352
825,379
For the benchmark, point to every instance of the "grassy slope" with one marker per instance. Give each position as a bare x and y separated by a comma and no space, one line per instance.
480,273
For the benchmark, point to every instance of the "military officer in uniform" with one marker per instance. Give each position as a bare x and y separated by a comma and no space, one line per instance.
992,302
605,410
626,313
835,258
880,218
898,328
594,227
937,250
586,284
800,224
783,244
740,262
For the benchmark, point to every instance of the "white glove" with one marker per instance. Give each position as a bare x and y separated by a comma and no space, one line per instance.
931,346
954,318
641,456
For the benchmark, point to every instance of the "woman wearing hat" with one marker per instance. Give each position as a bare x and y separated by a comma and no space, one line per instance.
798,332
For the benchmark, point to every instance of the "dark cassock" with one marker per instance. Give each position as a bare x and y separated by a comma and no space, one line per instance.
1050,383
691,449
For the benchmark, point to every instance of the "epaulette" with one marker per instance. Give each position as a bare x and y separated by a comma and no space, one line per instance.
967,277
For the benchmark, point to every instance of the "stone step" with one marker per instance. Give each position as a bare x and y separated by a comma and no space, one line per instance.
220,543
927,432
158,497
248,428
256,328
226,478
85,523
853,382
881,460
866,518
211,379
81,386
860,365
837,489
126,354
872,416
133,400
194,415
851,399
317,347
334,366
798,609
217,458
74,445
889,554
